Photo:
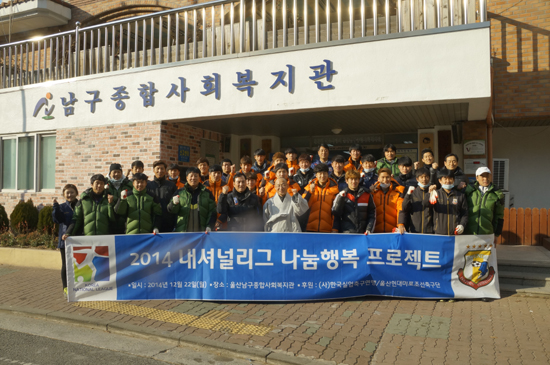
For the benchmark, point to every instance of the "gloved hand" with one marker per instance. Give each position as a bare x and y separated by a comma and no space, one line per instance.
459,229
362,174
433,197
208,230
176,199
367,232
155,231
395,230
124,194
411,189
342,193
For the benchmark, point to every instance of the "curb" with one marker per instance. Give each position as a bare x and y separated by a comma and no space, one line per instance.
30,257
180,340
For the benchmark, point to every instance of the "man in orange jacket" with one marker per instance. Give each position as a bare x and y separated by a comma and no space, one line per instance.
354,162
214,182
388,198
292,160
320,194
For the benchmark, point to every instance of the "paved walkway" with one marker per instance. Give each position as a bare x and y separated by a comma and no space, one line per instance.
513,330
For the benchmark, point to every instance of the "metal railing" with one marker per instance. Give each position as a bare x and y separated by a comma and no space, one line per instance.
214,28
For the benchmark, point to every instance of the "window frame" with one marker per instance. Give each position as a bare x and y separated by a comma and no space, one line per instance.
36,168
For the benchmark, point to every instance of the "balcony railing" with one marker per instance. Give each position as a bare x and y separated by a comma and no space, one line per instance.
214,29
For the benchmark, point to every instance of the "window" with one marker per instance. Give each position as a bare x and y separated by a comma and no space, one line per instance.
28,162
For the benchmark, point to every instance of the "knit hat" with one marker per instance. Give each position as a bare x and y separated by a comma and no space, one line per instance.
114,166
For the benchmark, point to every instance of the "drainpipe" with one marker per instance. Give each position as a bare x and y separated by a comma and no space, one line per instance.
490,121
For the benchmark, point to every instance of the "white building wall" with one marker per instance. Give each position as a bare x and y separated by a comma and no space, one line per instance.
527,149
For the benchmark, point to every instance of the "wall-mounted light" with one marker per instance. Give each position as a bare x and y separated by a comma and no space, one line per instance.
407,142
336,130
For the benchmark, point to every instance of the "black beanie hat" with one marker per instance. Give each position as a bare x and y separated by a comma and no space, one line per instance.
114,166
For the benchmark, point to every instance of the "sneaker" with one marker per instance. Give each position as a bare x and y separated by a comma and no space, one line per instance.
65,292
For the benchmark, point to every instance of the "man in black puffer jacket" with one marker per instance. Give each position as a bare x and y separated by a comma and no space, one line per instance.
406,175
353,209
241,208
305,174
416,215
164,190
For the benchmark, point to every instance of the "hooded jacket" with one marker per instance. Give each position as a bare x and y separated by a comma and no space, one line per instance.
417,212
164,190
141,211
241,211
354,212
320,205
93,215
205,204
389,165
485,211
353,165
388,206
280,215
450,211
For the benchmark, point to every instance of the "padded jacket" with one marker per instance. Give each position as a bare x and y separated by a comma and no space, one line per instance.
390,165
164,190
270,188
141,211
407,180
388,206
354,212
485,212
320,206
90,217
119,226
241,211
353,165
450,210
63,215
341,181
417,212
368,179
215,188
304,179
206,205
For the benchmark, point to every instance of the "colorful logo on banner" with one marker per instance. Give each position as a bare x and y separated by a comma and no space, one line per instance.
91,264
476,272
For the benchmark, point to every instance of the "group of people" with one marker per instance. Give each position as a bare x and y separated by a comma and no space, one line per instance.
291,193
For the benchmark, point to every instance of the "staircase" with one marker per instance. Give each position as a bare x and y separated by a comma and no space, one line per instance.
524,270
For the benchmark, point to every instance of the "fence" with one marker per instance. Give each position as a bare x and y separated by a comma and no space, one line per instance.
215,29
525,226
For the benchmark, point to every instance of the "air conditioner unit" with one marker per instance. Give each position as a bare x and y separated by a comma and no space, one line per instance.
501,168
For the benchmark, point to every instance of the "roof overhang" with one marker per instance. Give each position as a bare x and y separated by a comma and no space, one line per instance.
30,15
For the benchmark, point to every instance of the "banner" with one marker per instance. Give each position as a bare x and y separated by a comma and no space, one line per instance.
248,267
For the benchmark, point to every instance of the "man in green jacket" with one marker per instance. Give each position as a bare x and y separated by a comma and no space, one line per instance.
194,205
141,211
485,205
116,184
389,161
94,212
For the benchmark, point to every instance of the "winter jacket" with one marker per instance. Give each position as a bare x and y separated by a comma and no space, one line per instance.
241,211
164,190
92,217
141,211
340,180
320,205
293,164
354,212
215,188
270,187
450,211
368,179
383,163
280,215
179,182
119,226
485,211
202,198
416,212
459,177
353,165
303,179
406,180
388,206
433,175
328,163
261,169
63,215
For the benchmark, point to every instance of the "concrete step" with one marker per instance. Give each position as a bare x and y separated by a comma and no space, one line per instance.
525,291
534,267
525,279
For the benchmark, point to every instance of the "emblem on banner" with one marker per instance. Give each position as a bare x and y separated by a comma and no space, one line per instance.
476,272
91,264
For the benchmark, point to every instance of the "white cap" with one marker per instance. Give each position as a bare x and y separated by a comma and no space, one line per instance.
482,170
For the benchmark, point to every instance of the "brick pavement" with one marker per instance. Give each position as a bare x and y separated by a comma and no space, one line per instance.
513,330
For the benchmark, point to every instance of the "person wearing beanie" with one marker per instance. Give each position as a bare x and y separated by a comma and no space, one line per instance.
116,184
261,164
93,214
450,206
174,175
354,162
164,190
193,205
485,205
320,194
389,161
